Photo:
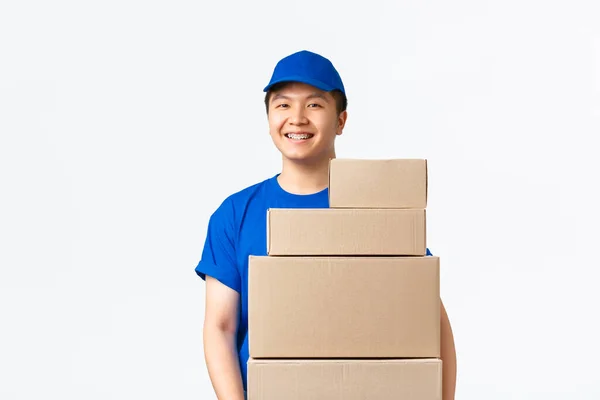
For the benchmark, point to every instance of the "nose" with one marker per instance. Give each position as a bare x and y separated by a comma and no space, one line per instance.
298,117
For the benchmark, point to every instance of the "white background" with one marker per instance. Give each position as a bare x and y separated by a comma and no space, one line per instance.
124,124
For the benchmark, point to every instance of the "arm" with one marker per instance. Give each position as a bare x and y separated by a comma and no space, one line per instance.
448,357
220,328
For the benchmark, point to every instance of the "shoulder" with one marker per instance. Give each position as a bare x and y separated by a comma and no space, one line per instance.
249,192
235,205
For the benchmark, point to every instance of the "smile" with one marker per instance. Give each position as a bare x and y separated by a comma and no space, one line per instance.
299,136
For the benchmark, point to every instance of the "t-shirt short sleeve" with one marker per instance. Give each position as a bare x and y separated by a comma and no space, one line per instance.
218,255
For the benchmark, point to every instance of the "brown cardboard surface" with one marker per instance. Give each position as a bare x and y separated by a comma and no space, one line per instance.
345,379
364,183
344,307
327,231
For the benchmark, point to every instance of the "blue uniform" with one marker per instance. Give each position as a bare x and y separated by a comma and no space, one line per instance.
238,229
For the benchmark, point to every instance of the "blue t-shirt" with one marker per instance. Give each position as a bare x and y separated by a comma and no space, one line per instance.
238,229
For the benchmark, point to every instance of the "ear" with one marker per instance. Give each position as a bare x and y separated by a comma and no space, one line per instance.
341,122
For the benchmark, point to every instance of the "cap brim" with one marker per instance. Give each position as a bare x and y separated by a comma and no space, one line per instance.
301,79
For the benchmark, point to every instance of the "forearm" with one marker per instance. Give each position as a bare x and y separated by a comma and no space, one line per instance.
448,356
222,364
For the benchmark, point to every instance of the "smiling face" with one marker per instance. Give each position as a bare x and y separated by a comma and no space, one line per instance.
304,122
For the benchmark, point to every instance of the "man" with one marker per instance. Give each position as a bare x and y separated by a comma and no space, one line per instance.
306,108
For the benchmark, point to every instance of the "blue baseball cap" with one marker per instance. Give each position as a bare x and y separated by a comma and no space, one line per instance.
307,67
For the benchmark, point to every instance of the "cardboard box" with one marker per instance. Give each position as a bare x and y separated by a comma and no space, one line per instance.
396,183
331,232
344,307
345,379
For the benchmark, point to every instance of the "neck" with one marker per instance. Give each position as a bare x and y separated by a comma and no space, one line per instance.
305,178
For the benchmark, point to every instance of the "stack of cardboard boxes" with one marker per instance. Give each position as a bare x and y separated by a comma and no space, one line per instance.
346,304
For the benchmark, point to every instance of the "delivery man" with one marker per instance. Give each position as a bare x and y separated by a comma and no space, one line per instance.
306,109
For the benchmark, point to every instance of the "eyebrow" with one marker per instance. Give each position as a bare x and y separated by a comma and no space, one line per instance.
311,96
318,95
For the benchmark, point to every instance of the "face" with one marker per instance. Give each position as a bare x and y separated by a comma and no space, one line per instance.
303,123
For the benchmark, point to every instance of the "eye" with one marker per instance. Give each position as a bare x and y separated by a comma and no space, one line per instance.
282,105
314,105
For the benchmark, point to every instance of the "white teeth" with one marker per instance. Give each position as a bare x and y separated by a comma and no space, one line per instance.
298,136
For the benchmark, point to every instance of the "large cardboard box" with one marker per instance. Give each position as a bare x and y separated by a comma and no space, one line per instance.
345,379
363,183
331,232
344,307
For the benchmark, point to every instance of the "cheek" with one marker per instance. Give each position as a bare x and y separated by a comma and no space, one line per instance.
326,125
275,123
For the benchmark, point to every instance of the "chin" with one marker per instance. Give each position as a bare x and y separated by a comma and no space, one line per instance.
302,158
298,158
301,154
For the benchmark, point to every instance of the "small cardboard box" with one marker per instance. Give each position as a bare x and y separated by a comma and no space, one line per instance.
331,232
344,307
345,379
363,183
